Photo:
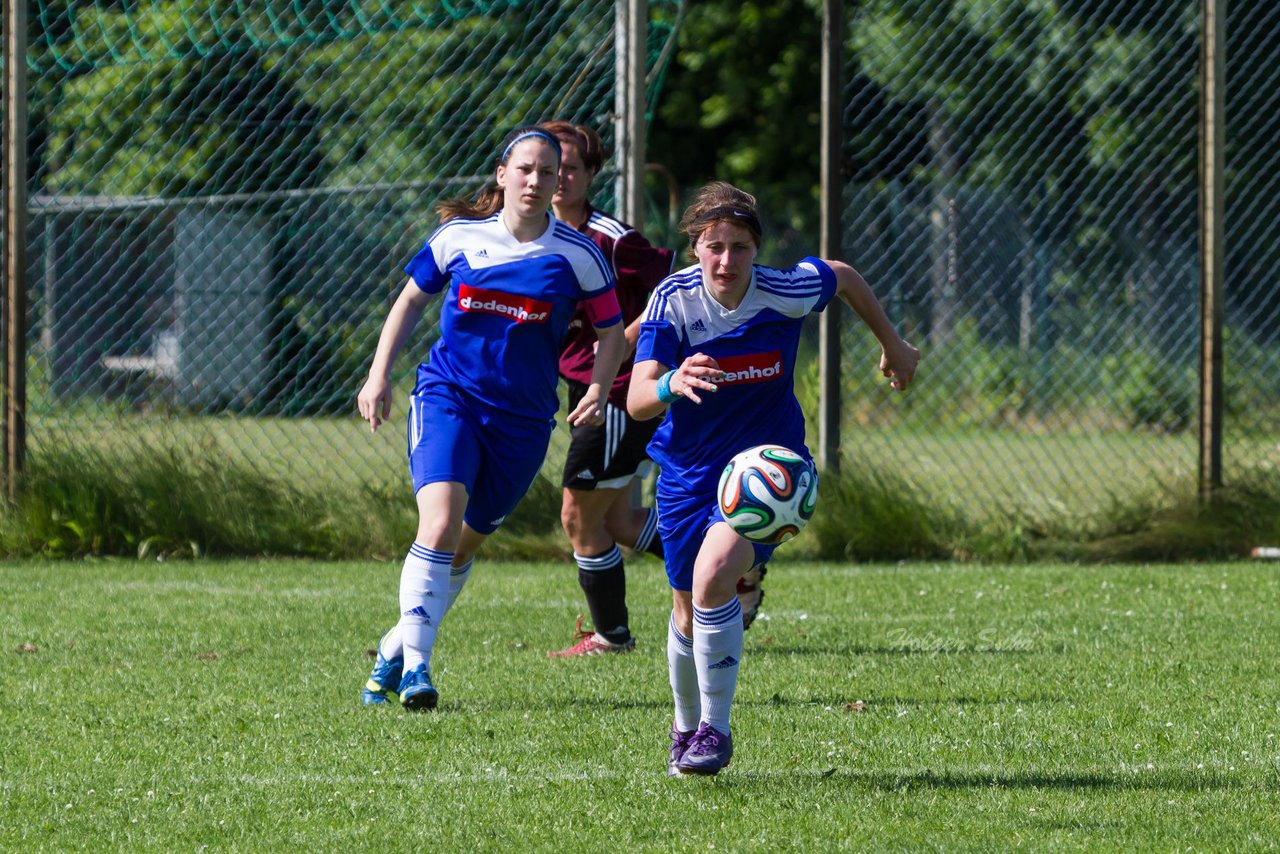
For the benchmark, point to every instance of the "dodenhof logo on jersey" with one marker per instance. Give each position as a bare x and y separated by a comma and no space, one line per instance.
751,367
517,308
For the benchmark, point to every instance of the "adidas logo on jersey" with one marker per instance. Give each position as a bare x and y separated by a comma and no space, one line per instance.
698,326
751,368
482,253
585,474
518,308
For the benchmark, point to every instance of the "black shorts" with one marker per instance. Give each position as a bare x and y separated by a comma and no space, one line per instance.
606,455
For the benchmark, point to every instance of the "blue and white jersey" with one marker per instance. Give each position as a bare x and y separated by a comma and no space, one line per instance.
754,344
507,308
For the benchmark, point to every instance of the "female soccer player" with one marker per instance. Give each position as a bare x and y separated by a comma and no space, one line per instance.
604,459
705,329
483,407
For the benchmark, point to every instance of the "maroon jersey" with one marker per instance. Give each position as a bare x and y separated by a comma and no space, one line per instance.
638,267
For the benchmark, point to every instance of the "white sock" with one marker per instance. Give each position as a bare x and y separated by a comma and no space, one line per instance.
717,652
684,678
457,580
392,643
424,597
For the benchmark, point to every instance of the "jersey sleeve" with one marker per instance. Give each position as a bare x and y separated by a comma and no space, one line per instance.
799,290
827,278
593,270
659,339
599,300
640,263
428,267
602,309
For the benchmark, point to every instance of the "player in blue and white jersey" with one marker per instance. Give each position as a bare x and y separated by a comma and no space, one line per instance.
717,353
483,407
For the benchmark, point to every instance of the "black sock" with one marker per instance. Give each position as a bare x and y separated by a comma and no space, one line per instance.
604,581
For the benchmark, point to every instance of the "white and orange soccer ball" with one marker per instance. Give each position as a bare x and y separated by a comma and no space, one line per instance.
768,493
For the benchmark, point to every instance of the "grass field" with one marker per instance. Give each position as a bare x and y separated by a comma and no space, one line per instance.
187,704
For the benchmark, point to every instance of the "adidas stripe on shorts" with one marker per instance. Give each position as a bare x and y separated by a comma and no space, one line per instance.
608,455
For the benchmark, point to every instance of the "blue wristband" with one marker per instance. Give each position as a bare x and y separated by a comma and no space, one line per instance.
665,394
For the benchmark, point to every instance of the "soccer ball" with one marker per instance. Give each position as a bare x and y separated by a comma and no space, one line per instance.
767,493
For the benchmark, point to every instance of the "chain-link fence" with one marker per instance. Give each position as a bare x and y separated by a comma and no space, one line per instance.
1022,189
226,193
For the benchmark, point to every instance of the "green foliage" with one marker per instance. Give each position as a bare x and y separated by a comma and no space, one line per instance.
193,501
186,499
1240,516
148,501
868,515
1107,377
1159,394
914,706
741,105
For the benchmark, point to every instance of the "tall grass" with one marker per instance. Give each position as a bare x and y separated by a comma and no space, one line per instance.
148,501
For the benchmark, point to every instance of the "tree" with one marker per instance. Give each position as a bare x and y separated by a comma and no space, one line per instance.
741,104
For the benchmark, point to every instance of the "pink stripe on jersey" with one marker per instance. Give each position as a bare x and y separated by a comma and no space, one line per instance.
602,309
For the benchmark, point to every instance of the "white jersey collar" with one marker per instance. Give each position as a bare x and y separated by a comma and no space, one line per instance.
744,306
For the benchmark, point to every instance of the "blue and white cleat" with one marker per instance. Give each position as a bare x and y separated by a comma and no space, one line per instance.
709,750
417,694
380,689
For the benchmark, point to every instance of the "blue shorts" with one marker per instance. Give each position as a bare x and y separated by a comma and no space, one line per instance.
683,521
494,455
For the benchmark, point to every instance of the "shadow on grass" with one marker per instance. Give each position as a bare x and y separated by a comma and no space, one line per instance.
873,703
480,706
929,779
765,649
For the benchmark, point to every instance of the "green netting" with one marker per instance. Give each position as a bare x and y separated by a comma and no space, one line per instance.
224,194
79,36
1024,194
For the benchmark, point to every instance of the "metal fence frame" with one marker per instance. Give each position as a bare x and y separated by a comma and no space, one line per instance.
630,34
1211,124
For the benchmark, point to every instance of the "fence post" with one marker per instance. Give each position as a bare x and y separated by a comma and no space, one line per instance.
830,233
1212,45
631,22
14,310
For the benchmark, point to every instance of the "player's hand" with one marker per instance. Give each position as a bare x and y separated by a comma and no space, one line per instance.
697,373
899,364
590,410
374,402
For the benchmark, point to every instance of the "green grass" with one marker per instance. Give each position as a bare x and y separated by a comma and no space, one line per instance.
171,706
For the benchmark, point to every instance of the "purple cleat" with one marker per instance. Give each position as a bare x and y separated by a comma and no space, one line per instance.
709,750
679,744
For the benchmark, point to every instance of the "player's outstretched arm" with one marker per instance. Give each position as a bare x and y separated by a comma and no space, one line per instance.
898,359
611,349
374,399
